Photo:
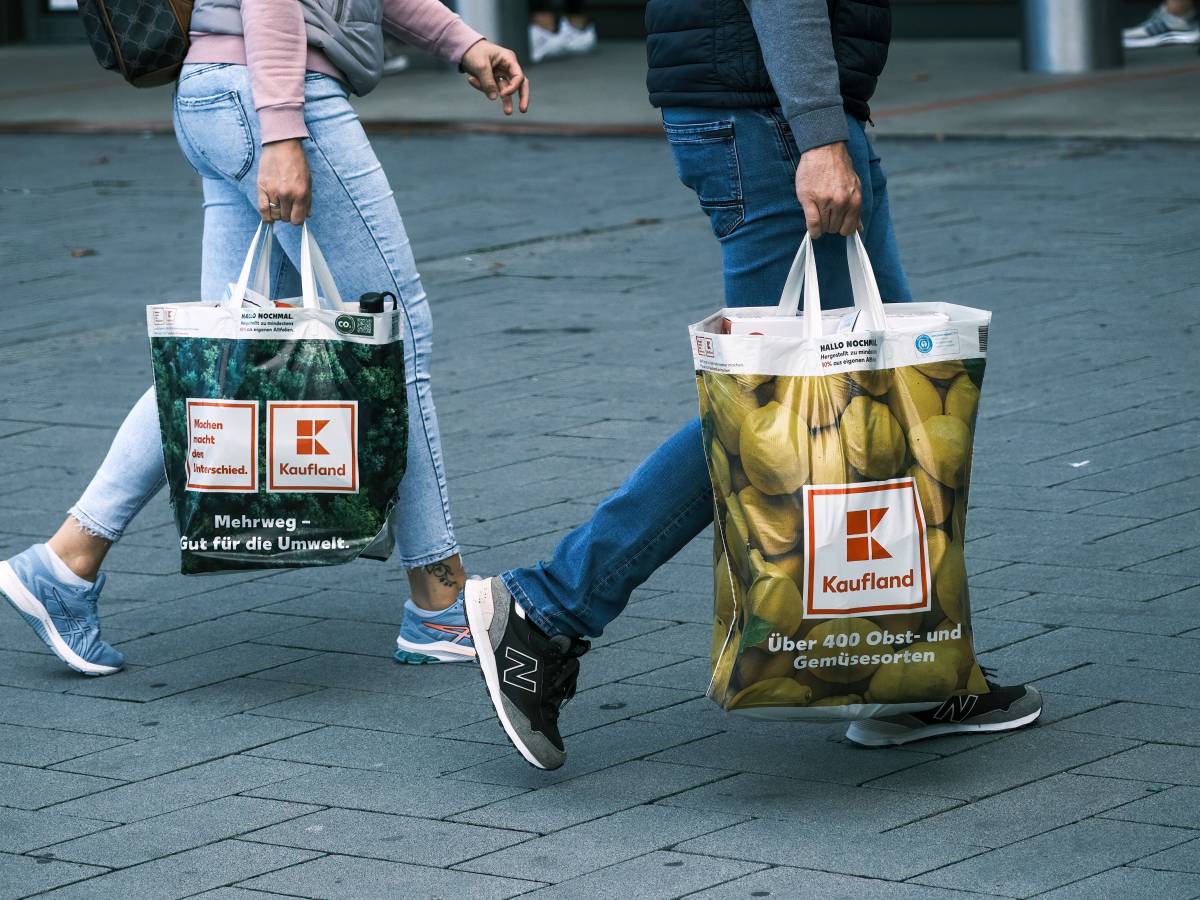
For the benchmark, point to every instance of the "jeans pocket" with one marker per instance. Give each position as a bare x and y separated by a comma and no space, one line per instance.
217,134
707,162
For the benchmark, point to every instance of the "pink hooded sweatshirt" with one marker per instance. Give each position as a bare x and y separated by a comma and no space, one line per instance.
276,51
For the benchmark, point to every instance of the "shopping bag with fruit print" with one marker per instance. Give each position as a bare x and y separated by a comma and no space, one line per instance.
839,447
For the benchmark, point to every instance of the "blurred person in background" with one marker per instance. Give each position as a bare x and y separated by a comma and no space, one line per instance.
1173,22
552,35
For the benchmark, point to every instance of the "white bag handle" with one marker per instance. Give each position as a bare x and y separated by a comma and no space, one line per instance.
803,277
312,263
314,271
260,248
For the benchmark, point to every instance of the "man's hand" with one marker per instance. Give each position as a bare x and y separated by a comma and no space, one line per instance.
494,71
284,183
829,191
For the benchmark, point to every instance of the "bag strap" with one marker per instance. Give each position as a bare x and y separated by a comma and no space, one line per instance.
802,278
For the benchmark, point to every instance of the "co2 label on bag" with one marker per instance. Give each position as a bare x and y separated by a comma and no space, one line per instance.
866,549
222,447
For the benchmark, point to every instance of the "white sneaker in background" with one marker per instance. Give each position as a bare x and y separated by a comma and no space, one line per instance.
577,40
1162,29
545,44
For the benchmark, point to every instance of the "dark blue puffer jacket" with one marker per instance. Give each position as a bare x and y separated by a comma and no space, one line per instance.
705,53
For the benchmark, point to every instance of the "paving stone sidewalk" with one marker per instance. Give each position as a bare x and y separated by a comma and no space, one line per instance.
262,743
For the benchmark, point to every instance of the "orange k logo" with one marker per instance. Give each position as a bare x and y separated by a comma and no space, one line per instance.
860,546
306,437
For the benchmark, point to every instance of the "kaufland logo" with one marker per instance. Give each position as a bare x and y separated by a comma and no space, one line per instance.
312,446
866,550
860,541
306,437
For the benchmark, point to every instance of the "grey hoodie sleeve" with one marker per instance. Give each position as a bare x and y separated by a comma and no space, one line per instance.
797,47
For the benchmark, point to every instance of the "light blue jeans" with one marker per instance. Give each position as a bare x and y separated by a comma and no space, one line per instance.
742,165
355,220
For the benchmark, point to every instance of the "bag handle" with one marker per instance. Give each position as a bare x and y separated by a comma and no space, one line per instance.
260,249
314,271
802,281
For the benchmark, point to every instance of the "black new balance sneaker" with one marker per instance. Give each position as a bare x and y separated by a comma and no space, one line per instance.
1000,709
529,676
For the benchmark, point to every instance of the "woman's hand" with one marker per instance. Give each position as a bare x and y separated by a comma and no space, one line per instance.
494,70
284,183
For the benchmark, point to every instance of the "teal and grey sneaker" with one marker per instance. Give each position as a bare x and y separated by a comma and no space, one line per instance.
1002,708
433,637
62,615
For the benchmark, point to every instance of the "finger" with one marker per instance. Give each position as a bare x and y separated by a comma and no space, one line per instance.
853,218
284,212
299,211
487,82
508,105
474,82
512,82
835,217
812,218
264,205
524,104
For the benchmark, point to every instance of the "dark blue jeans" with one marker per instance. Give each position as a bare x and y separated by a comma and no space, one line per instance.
742,165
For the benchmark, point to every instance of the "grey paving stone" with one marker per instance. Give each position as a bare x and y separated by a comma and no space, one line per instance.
1022,812
655,876
28,746
590,796
1182,858
173,832
195,671
790,799
1130,882
23,876
355,878
32,667
1128,683
22,830
187,873
175,790
204,605
179,748
1163,763
793,882
687,675
991,634
601,842
1055,858
626,626
590,751
365,673
402,713
616,663
894,856
1000,765
1173,806
381,751
382,605
1094,613
332,635
213,634
1089,582
408,793
398,838
793,755
1139,722
31,788
677,606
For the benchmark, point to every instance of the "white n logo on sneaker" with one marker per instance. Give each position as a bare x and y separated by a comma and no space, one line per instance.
520,673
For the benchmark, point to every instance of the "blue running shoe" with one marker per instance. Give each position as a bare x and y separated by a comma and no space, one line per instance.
428,637
62,615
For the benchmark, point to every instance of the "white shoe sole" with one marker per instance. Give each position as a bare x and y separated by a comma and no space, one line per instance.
885,735
477,598
20,597
1171,38
443,651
